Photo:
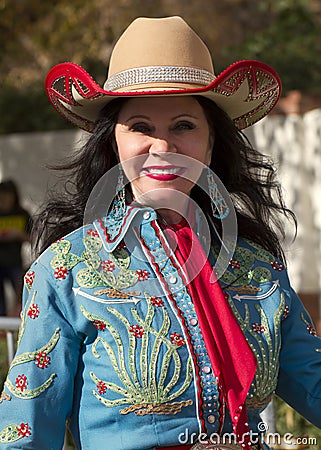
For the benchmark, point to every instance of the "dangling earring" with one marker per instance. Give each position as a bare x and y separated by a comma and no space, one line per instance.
218,204
119,205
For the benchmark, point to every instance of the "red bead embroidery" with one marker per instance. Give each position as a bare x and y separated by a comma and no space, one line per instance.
33,311
156,301
235,264
258,328
286,312
24,430
109,266
93,233
177,339
100,325
42,360
101,387
29,278
21,382
61,273
136,330
142,274
277,266
311,330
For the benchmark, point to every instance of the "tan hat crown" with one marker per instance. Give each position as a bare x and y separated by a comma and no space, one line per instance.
159,51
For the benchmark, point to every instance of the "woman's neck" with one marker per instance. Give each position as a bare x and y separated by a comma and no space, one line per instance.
168,216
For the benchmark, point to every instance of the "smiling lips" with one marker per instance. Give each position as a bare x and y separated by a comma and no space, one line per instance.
163,173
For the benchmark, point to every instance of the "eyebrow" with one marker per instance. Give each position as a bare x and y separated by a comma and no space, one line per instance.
142,116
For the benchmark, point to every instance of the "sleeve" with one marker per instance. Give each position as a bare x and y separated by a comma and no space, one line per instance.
38,392
299,382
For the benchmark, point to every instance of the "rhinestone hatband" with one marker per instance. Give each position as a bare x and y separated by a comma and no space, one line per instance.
156,74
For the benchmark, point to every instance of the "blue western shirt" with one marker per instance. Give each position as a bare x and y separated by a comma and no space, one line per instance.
110,343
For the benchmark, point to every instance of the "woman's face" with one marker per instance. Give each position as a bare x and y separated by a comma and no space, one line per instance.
162,135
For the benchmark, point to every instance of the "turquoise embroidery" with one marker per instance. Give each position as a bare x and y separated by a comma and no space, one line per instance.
140,387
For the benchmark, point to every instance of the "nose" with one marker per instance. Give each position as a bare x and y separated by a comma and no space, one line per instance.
162,145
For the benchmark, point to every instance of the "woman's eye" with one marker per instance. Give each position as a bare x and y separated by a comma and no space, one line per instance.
184,125
140,128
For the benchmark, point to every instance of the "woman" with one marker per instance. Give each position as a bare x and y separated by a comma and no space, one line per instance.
128,333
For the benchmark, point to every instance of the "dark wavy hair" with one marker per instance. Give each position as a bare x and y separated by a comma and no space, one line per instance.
248,176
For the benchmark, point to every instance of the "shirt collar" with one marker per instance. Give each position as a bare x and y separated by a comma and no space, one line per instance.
112,229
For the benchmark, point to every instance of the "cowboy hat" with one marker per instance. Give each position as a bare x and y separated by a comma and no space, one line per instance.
157,57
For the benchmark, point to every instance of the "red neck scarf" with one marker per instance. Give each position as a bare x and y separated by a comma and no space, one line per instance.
231,357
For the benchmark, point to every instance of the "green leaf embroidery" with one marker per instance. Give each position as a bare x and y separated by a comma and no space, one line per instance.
29,393
140,387
10,434
88,278
30,356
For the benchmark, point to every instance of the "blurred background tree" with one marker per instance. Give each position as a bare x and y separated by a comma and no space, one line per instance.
35,35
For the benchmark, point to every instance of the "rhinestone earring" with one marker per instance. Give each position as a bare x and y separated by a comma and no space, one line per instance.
119,204
218,204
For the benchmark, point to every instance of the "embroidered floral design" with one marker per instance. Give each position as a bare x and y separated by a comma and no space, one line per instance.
33,311
235,264
276,265
258,328
42,360
61,273
24,430
266,348
177,339
96,273
63,259
311,330
101,387
241,273
14,432
142,274
100,325
109,266
104,273
24,315
148,373
156,301
136,330
29,279
21,382
309,326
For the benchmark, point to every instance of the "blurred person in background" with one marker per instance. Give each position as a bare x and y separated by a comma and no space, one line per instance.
15,227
